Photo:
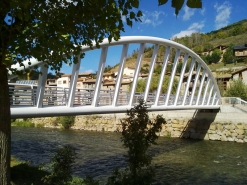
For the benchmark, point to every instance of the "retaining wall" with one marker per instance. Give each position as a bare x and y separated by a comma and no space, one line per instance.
228,124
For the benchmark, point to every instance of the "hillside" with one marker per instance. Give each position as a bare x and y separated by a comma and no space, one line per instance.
235,34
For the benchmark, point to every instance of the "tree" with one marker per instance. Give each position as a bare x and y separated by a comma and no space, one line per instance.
215,57
138,134
53,31
228,55
61,167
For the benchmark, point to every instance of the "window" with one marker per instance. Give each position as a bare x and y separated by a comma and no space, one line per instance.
64,82
59,82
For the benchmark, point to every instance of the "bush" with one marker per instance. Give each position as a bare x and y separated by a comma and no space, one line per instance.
61,167
22,124
237,89
66,121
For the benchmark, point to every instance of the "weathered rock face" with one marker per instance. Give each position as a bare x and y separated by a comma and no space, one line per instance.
181,127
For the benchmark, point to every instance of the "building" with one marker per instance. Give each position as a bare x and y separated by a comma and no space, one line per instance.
223,80
240,74
240,51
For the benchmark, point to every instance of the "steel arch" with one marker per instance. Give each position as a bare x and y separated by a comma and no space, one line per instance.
204,94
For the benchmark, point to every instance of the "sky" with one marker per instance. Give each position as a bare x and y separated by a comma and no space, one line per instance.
161,21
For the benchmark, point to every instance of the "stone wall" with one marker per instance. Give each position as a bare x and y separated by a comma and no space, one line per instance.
182,124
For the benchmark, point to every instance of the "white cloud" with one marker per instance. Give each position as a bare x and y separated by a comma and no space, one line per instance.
203,11
188,12
193,28
196,26
89,71
152,18
183,33
223,14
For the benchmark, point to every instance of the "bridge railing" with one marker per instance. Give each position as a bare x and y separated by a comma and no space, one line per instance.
180,67
234,101
26,95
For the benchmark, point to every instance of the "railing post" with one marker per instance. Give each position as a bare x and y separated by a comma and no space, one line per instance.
181,78
41,85
120,74
201,86
195,83
151,69
174,68
99,76
162,75
73,82
137,70
189,80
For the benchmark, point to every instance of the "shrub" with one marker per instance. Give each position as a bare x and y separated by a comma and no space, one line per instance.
138,134
22,124
67,121
237,89
61,167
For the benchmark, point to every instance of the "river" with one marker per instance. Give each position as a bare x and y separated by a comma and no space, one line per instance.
178,161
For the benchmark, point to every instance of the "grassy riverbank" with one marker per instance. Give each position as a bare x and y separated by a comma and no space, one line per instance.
23,173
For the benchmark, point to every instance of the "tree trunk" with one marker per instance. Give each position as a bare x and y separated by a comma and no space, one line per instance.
5,128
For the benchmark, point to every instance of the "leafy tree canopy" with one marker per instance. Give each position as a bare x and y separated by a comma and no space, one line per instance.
51,30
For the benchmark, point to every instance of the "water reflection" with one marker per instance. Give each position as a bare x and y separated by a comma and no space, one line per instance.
178,161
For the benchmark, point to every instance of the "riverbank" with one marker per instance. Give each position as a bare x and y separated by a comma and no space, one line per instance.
229,124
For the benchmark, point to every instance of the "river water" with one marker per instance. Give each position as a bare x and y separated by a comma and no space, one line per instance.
178,161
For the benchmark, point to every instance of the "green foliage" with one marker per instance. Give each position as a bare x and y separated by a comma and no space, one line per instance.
61,167
228,56
179,67
141,84
144,70
146,65
22,124
108,69
138,134
206,59
158,69
237,89
66,121
24,173
215,57
84,181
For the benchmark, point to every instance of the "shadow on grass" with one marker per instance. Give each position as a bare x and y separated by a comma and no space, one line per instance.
23,173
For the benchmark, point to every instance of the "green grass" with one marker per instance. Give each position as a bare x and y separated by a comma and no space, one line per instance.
214,67
236,40
22,124
23,173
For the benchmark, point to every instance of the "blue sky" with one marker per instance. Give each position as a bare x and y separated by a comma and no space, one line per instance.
161,21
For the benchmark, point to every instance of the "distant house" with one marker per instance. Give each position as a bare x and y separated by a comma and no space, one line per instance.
224,80
64,81
222,49
240,74
143,76
85,75
128,71
110,85
240,51
108,76
51,82
89,83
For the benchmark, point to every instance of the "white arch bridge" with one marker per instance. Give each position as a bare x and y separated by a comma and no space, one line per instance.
41,100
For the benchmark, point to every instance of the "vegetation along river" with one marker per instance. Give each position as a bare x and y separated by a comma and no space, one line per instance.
178,161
